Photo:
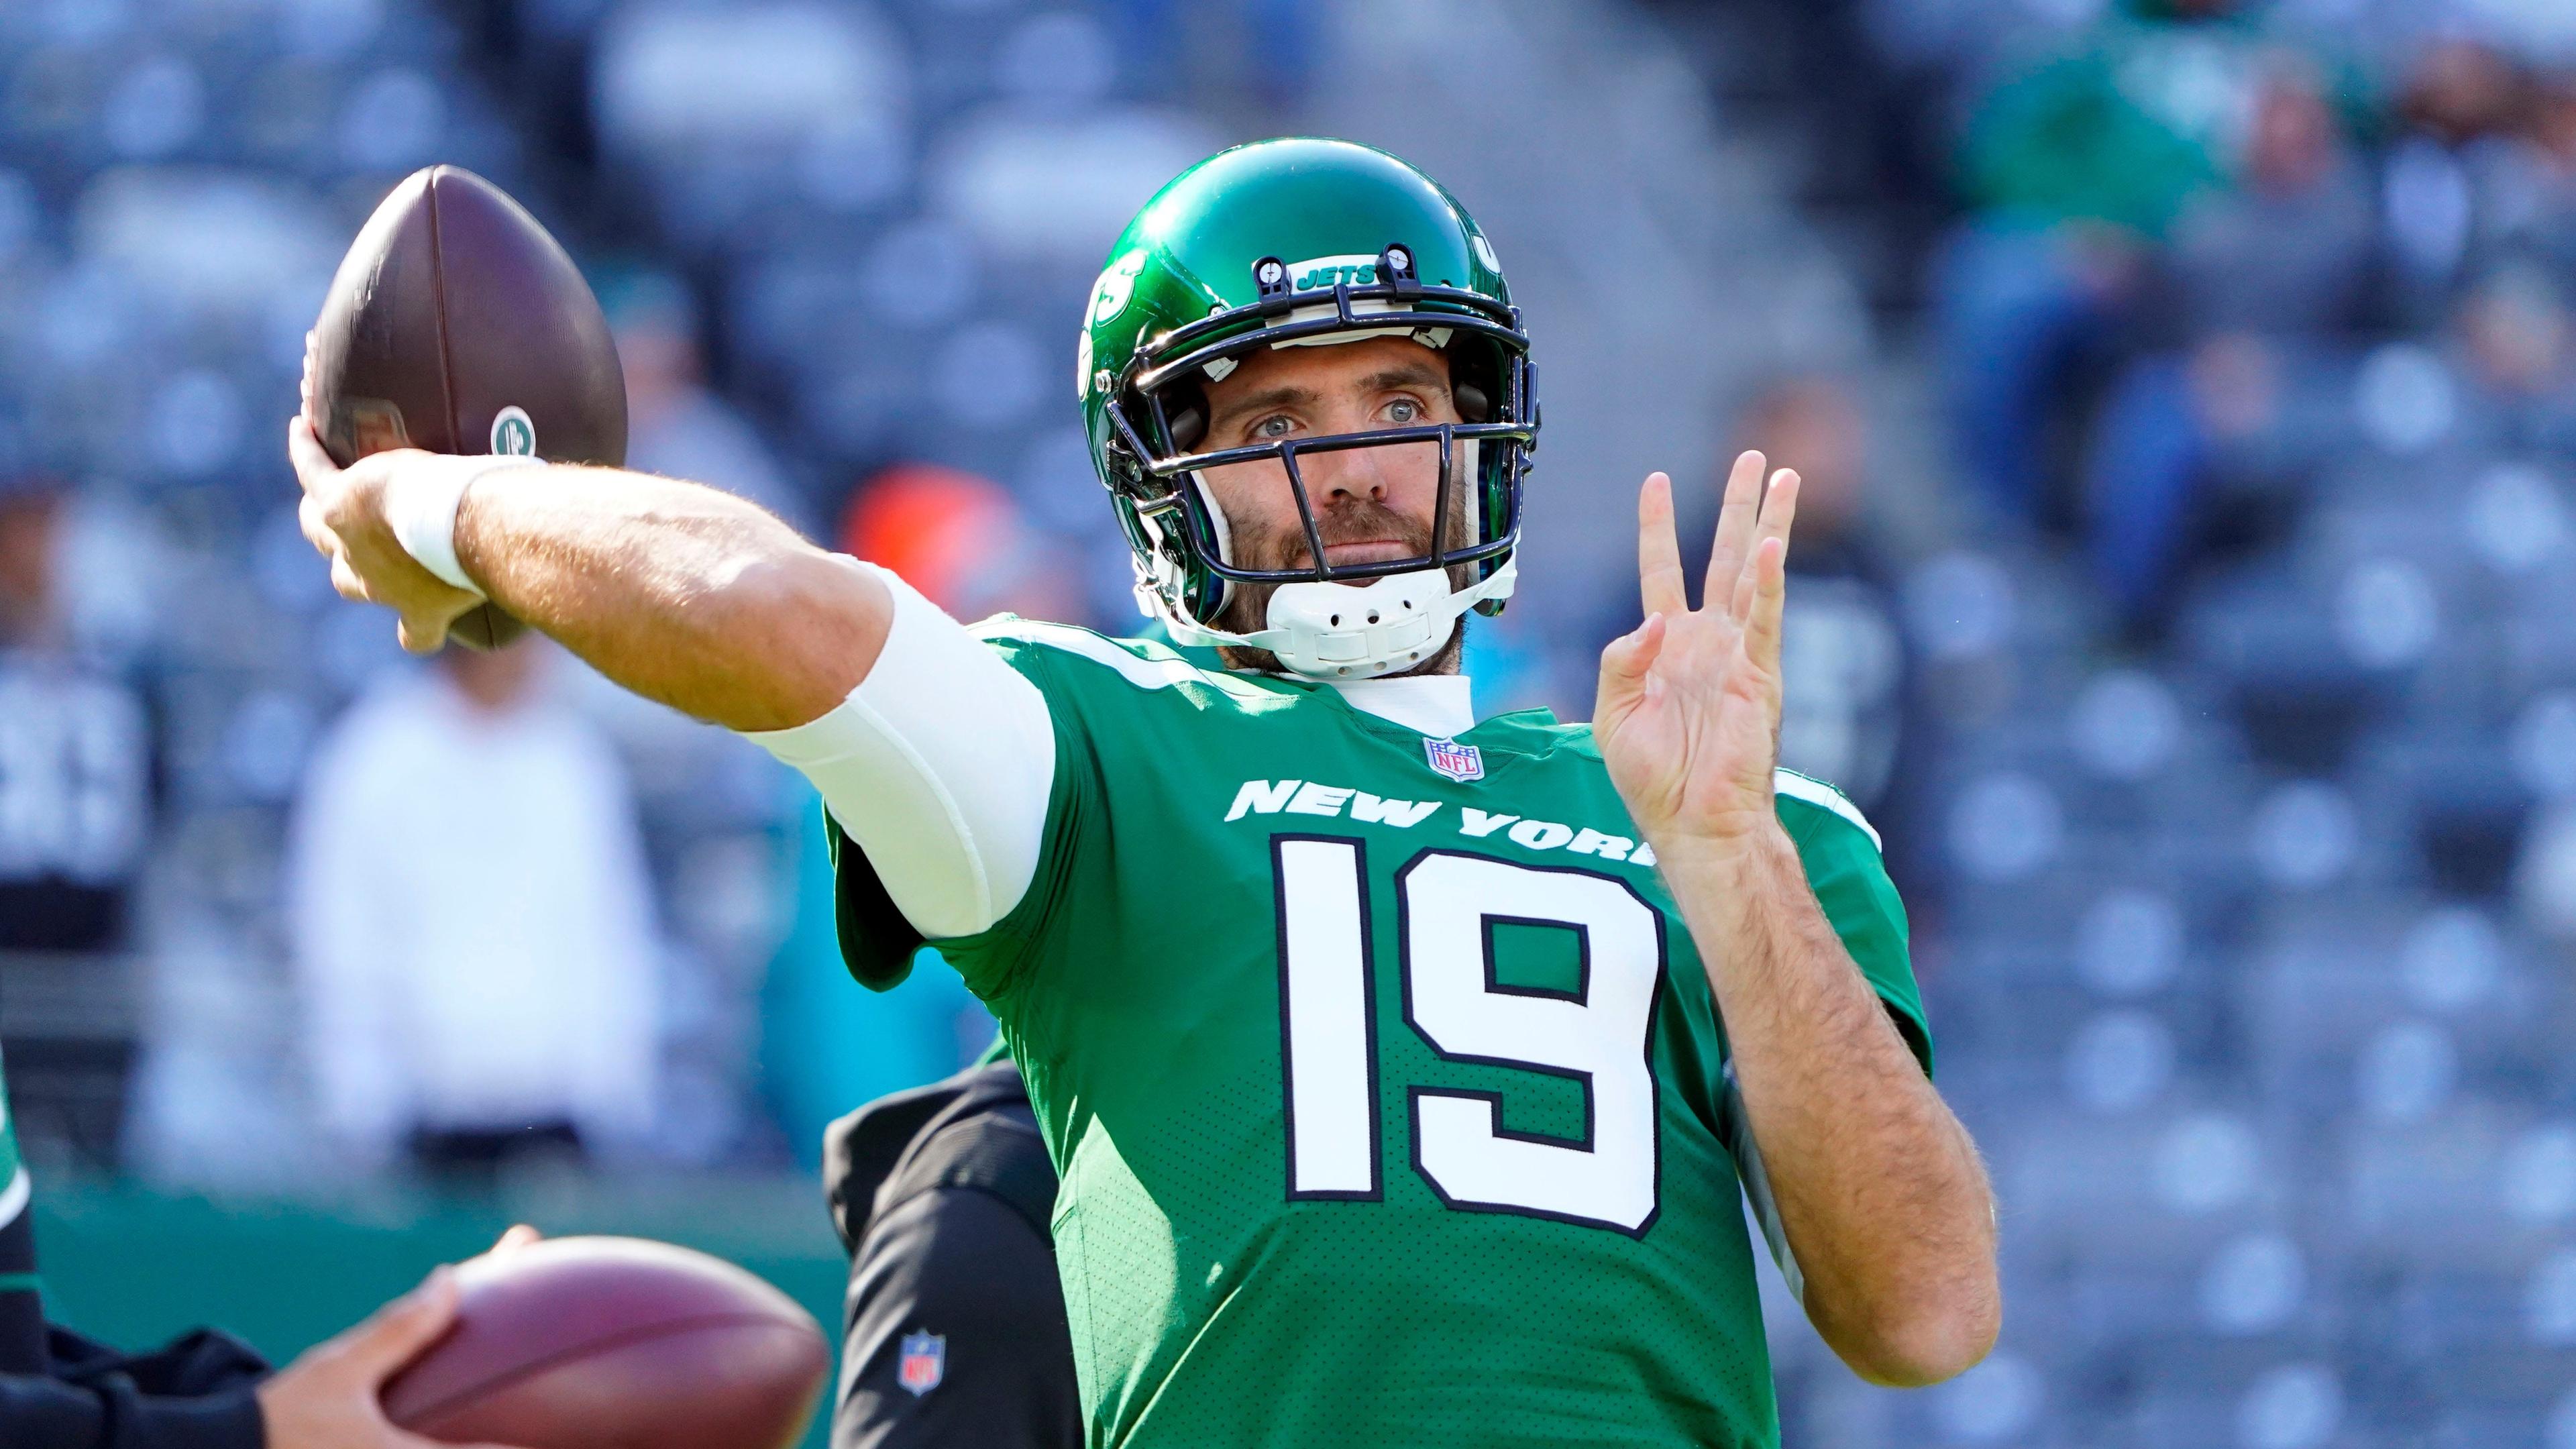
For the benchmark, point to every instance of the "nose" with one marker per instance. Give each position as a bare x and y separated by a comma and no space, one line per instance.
1345,474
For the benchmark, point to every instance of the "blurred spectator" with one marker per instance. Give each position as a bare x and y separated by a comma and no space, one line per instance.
2547,225
2122,127
2022,312
2297,178
2076,166
76,814
75,748
2517,337
2451,179
473,924
675,426
1841,655
2250,313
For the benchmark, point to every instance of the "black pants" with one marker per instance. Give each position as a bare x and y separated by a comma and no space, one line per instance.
953,1330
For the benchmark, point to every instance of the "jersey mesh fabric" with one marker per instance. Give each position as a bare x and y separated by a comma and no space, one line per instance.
1140,986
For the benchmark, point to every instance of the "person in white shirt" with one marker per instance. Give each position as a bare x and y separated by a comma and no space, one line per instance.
472,922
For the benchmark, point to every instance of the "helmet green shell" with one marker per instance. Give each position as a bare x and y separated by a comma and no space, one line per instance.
1301,199
1328,210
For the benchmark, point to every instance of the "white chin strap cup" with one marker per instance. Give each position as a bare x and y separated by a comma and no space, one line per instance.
1358,631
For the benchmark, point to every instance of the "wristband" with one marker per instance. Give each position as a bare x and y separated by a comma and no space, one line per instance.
420,504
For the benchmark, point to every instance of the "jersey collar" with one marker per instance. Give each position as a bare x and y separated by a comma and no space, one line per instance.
1439,705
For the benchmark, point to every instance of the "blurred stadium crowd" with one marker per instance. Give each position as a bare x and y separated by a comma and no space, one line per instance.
2187,392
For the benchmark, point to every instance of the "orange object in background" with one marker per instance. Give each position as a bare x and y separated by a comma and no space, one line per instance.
959,538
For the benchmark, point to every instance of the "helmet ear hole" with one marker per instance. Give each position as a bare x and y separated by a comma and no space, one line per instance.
1473,405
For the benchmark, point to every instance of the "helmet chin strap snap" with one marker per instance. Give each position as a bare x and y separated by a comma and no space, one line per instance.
1358,631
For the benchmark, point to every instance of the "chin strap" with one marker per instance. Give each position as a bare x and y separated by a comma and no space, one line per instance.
1352,631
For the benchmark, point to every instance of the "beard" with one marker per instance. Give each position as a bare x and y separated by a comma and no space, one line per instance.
1247,606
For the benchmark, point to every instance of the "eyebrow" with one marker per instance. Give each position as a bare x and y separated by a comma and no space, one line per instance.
1262,401
1411,374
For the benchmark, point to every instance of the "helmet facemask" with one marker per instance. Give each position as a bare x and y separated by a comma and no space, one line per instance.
1326,620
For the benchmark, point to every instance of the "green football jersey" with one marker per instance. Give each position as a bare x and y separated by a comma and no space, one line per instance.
1388,1091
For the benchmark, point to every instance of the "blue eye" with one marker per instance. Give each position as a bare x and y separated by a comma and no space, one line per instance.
1403,410
1271,427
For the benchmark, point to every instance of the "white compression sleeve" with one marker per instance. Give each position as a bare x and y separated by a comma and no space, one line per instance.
939,765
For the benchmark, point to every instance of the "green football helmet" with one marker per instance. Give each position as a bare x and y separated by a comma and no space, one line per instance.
1299,241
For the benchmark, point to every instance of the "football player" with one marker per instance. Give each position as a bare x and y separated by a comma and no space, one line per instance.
1403,1067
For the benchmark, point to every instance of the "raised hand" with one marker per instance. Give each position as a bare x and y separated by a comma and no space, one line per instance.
1688,715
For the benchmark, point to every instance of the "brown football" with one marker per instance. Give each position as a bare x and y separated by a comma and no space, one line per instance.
615,1343
457,324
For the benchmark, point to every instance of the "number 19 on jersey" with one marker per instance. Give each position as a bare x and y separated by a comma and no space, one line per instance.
1596,1034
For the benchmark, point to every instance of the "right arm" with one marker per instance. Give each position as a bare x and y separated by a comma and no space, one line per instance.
682,593
933,754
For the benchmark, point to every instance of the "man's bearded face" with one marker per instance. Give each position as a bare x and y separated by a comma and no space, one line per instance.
1266,544
1372,504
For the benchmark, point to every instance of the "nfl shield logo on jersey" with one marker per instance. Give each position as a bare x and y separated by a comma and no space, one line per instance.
924,1362
1459,762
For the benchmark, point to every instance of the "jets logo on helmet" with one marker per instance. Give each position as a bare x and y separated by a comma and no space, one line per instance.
1356,267
1295,243
1117,284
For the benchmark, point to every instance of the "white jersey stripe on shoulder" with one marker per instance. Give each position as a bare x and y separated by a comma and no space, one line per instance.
1817,792
13,1198
1142,672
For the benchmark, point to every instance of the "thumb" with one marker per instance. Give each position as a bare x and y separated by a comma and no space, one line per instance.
1624,665
1625,662
313,464
381,1346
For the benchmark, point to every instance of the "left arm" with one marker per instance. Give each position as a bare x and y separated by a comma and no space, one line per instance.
1879,1188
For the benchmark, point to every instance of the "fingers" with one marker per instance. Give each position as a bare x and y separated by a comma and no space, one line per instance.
1779,512
519,1236
308,517
1628,658
313,465
382,1345
1769,581
423,634
345,578
1659,552
1735,520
